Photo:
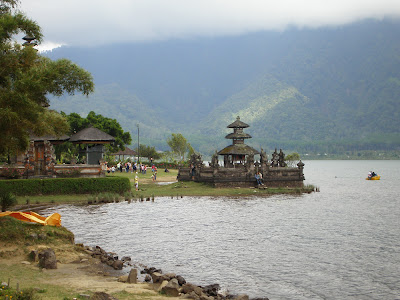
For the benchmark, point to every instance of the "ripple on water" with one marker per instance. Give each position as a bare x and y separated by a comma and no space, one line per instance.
340,243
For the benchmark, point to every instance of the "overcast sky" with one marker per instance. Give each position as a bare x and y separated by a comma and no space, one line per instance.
97,22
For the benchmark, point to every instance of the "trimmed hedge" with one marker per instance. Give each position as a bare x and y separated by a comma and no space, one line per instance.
63,186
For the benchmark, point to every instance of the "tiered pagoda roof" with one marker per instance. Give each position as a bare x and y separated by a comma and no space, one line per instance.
238,146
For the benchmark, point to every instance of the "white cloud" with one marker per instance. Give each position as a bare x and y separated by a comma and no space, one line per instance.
48,46
96,22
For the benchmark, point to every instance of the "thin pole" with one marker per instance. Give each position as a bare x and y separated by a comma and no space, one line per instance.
138,145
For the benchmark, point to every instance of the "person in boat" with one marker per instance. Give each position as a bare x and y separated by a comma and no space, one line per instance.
373,174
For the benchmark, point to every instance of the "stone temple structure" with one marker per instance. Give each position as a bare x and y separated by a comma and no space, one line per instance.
240,167
39,160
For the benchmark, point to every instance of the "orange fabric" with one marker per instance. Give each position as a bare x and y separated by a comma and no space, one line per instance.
30,216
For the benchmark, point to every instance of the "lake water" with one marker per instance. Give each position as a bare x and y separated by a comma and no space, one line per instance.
340,243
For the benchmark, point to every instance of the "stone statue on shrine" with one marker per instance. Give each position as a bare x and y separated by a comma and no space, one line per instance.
214,160
196,160
250,161
263,156
282,162
275,159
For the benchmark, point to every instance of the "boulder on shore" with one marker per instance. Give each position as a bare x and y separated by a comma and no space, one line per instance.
172,288
47,259
118,264
132,277
157,277
212,289
188,288
102,296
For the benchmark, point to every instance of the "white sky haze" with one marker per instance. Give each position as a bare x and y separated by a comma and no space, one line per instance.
99,22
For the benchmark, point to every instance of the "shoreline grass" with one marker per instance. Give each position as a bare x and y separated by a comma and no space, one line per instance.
165,186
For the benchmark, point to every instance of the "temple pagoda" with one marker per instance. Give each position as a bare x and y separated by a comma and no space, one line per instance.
238,152
240,168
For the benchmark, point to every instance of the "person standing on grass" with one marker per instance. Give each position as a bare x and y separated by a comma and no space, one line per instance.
137,182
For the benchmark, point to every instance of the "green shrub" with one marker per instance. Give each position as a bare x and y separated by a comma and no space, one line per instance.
169,165
74,172
10,293
7,200
12,173
62,186
127,195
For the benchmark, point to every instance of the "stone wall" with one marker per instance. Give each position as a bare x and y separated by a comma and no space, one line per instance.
283,177
84,170
241,176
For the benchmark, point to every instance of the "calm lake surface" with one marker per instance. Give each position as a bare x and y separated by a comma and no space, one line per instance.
340,243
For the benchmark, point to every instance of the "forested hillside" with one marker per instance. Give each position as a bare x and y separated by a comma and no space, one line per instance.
330,89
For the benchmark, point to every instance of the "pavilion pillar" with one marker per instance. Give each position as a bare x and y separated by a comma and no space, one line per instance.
87,153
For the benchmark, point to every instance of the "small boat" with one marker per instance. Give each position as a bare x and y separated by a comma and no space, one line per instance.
373,177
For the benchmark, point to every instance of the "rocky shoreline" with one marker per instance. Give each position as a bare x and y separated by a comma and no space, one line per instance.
169,284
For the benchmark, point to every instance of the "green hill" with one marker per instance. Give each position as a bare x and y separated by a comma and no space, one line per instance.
329,89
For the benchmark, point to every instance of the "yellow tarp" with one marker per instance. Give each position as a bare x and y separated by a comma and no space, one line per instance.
30,216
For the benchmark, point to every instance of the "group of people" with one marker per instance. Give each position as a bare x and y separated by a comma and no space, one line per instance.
129,167
372,174
134,167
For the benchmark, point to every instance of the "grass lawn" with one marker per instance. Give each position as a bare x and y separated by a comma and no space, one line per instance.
165,185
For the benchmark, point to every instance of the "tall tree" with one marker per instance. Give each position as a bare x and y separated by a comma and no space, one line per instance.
108,125
178,144
292,159
148,151
27,78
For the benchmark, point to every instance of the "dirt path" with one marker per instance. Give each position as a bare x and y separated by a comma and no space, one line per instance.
78,271
166,178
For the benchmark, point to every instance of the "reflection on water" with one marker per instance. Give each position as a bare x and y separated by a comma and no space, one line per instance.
166,182
340,243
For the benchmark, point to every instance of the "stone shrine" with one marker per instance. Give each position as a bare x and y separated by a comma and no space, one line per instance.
240,168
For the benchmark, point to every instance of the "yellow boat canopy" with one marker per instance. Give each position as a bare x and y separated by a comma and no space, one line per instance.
30,216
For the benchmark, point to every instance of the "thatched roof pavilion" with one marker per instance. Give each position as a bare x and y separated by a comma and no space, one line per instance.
51,138
91,135
95,137
127,152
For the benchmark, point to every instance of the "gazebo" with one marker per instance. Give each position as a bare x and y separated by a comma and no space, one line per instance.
238,152
127,152
94,139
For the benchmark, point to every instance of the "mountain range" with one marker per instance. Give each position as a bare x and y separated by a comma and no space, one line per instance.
328,89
